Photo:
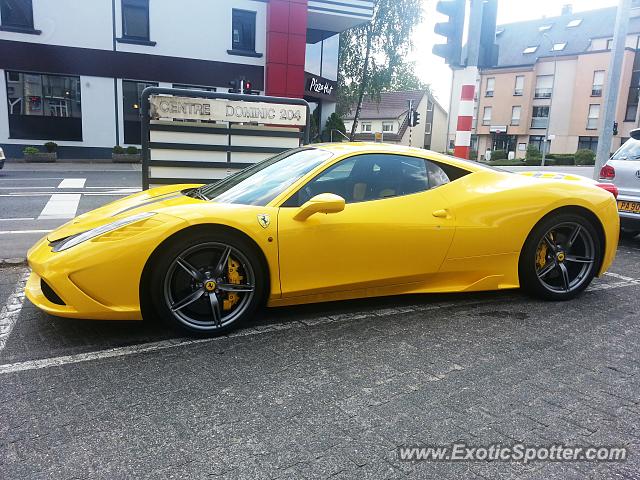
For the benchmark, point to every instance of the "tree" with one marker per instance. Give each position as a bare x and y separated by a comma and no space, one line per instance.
372,54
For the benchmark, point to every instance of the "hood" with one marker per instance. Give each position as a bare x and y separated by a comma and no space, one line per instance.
151,200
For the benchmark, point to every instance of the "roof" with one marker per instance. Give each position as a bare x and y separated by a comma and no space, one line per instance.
392,105
513,38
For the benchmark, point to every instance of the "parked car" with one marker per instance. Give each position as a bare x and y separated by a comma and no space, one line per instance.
324,223
1,158
623,170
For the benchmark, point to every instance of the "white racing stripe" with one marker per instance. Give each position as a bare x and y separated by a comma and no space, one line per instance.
11,310
61,205
72,183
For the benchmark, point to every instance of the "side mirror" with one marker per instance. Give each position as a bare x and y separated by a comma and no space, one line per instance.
323,203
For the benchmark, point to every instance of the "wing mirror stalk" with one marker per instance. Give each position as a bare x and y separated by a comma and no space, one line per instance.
323,203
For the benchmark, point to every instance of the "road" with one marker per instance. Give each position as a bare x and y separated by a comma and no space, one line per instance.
35,199
320,391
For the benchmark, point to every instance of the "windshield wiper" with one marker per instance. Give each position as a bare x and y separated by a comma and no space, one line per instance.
197,193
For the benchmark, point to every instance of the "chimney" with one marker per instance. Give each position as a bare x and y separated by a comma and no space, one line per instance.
567,9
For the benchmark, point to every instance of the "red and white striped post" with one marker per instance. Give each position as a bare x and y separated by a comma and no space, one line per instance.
465,121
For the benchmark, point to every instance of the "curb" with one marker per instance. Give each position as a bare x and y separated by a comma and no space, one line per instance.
13,262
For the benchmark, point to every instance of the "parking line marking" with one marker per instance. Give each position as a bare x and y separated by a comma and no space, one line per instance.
72,183
61,205
16,218
17,232
11,310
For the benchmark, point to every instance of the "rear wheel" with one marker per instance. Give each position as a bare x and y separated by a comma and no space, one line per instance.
208,283
560,257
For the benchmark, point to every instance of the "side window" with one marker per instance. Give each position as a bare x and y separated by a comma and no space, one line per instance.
369,177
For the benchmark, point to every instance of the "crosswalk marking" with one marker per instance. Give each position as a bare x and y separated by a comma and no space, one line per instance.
72,183
61,205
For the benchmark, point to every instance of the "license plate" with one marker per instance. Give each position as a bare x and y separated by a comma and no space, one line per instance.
630,207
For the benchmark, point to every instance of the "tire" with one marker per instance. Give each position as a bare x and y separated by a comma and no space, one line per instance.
560,257
207,283
628,234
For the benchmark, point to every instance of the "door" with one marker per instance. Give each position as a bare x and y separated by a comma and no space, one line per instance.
394,229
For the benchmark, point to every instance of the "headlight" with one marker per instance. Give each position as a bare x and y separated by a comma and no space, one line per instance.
74,240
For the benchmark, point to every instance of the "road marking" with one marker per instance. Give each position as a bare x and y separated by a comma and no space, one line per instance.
11,310
48,194
72,183
61,205
16,232
15,219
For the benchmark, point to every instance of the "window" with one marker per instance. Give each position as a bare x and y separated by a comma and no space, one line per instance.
46,107
519,88
532,49
387,126
427,129
16,14
594,117
486,118
373,177
540,117
491,83
588,143
544,28
558,47
634,92
131,95
629,150
365,127
574,23
135,19
544,86
429,106
609,44
194,87
243,30
516,112
598,83
536,141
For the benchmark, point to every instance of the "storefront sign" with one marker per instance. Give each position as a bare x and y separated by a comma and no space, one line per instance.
498,129
320,87
186,108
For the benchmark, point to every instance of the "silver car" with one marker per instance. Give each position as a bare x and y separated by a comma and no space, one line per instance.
623,170
1,158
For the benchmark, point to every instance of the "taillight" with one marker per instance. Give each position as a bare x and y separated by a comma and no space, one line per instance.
608,172
609,187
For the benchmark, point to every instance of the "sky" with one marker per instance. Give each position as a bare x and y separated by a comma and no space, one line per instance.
433,70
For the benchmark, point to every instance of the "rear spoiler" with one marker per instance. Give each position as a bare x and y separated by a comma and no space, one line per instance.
635,134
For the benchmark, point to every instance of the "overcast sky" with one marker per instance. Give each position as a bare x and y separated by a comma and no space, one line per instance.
433,70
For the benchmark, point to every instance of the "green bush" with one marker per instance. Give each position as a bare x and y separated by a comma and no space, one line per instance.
334,122
51,147
585,157
533,156
30,150
498,155
118,150
506,163
131,150
473,155
561,159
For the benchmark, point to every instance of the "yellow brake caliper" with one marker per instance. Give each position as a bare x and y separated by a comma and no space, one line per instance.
236,278
541,256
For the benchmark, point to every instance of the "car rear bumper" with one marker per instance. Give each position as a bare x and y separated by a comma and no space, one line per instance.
630,221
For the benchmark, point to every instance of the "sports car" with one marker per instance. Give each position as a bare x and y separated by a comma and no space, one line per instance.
322,223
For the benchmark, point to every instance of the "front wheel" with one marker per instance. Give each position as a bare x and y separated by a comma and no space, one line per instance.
208,283
560,257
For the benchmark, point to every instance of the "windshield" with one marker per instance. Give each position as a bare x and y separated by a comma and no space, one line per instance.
629,151
264,181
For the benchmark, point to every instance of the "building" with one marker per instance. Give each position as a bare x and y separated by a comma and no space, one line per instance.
549,82
389,117
72,71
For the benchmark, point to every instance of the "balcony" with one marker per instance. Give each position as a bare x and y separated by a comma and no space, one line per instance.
539,122
332,16
543,93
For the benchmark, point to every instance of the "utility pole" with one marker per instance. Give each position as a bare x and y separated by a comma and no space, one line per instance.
410,119
613,85
546,145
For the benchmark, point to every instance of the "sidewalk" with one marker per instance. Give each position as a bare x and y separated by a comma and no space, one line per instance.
72,166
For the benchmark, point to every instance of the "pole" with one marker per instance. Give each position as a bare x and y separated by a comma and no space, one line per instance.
613,85
553,93
410,119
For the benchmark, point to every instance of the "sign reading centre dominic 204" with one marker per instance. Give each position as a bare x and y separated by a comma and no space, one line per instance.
187,108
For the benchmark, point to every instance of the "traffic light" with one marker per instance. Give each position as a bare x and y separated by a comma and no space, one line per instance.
235,86
414,118
242,86
451,30
615,128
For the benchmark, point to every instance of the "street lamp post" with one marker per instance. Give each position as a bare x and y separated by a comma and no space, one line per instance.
553,92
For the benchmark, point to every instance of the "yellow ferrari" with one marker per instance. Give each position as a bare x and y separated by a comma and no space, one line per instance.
321,223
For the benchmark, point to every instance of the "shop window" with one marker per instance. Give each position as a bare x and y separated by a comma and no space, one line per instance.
135,19
46,107
16,14
131,97
536,141
243,30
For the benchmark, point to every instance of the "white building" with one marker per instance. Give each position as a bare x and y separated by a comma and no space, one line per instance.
389,117
72,71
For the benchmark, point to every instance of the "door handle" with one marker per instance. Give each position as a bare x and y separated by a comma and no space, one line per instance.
441,213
